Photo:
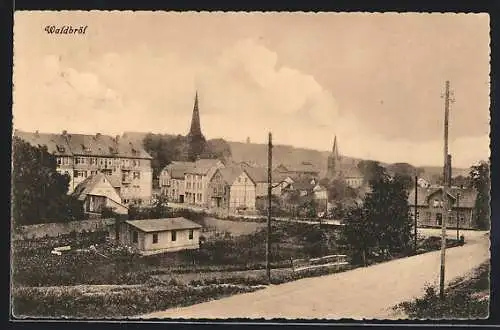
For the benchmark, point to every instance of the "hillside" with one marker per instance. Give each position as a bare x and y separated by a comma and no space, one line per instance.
257,153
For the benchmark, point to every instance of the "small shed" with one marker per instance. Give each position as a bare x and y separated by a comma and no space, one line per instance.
154,236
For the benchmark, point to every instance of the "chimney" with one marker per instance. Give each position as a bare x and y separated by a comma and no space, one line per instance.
64,133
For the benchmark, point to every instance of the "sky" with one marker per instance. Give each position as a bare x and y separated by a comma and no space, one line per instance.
374,80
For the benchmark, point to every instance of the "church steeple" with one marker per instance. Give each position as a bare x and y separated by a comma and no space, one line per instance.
195,121
333,165
335,150
195,139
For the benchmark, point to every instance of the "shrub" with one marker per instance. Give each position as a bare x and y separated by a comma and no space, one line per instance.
112,304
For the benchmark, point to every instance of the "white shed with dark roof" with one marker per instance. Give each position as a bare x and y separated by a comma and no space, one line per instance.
153,236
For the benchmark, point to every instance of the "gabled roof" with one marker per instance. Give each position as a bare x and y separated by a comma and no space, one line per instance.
114,180
304,167
259,174
466,197
202,166
166,224
230,173
86,186
177,169
85,145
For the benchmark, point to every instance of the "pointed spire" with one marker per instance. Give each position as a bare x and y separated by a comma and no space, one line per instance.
335,149
195,121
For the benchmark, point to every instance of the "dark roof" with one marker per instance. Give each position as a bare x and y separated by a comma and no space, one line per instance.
230,173
258,174
176,169
202,166
155,225
55,143
304,167
85,145
85,187
467,198
304,184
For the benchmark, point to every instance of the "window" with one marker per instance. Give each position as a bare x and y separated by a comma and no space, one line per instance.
137,175
190,234
174,235
59,160
155,238
135,237
439,219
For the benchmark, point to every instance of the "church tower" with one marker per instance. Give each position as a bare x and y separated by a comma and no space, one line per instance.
333,166
195,139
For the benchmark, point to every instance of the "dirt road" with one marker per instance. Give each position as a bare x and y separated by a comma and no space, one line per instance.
363,293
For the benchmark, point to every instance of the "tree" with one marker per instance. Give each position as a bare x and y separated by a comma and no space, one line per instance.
372,171
164,149
407,181
381,225
403,169
160,208
387,207
357,235
337,190
219,149
315,242
461,181
39,192
480,180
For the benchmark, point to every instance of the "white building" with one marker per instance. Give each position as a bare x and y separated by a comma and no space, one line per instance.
197,178
126,164
155,236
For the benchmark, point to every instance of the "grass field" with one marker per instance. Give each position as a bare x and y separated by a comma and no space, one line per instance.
466,298
236,228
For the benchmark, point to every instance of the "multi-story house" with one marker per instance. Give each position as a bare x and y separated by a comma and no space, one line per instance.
232,188
197,178
430,207
259,175
304,169
172,181
126,164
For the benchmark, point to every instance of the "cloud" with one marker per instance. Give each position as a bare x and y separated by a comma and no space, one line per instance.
243,93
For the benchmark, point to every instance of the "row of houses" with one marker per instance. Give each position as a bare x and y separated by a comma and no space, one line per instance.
209,183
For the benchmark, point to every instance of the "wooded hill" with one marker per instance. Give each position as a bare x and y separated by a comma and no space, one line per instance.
255,153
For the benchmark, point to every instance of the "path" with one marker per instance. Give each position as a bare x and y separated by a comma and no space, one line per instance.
361,293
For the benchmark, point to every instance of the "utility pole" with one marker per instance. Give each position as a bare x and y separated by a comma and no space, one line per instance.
269,199
458,211
416,212
445,190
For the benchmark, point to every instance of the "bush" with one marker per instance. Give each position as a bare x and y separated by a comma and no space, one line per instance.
116,303
459,300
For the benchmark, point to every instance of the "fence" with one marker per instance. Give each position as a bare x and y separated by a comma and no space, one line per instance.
57,229
336,260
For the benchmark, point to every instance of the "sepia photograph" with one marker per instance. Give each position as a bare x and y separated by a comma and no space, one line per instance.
250,165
